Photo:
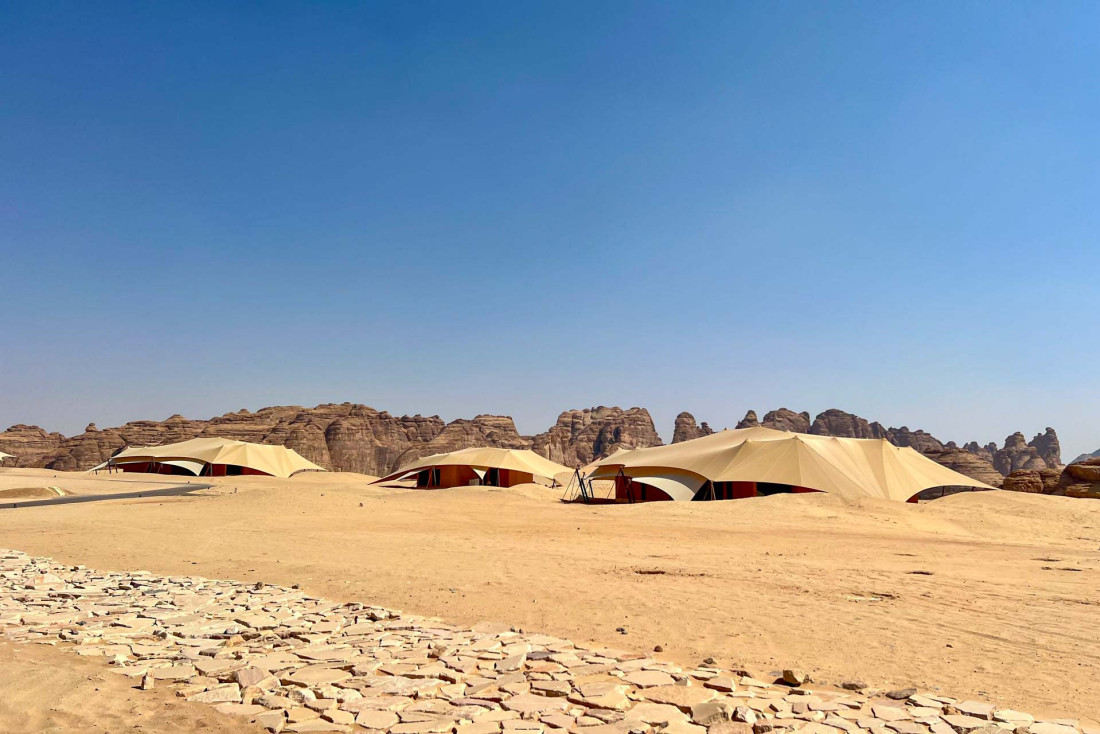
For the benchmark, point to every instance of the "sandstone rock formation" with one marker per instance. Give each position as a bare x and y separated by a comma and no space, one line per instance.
780,420
1048,446
28,444
918,440
1018,454
749,420
485,430
353,437
582,436
1034,481
1076,480
343,437
1080,479
1084,471
835,422
988,463
985,453
686,429
966,463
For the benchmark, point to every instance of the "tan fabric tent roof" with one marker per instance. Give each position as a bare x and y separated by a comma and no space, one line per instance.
278,461
850,467
522,460
5,456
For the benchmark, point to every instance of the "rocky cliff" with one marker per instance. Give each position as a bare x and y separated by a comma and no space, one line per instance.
582,436
353,437
343,437
28,444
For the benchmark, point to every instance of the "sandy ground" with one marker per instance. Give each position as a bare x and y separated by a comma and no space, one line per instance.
50,690
984,595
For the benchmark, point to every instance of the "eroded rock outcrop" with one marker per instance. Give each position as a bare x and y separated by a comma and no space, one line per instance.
749,420
354,437
835,422
985,453
1018,455
1080,479
28,444
987,463
343,436
582,436
966,463
780,420
498,431
1033,481
685,428
1048,446
787,420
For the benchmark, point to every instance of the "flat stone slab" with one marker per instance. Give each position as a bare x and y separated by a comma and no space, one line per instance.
527,703
683,697
649,678
318,676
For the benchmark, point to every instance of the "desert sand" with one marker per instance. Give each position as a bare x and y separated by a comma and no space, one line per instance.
51,690
984,595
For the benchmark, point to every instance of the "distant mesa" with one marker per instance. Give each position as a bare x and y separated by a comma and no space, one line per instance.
357,438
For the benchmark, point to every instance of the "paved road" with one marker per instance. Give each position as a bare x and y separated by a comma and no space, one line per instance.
170,491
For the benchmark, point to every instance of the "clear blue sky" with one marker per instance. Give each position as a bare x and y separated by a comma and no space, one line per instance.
520,207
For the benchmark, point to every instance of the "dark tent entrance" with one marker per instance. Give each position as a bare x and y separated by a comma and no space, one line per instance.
208,470
631,490
628,489
155,467
741,490
441,477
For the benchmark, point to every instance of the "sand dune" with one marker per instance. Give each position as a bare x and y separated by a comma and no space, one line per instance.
988,595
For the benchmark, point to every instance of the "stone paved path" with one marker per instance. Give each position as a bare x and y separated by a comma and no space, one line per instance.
296,663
